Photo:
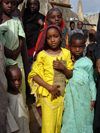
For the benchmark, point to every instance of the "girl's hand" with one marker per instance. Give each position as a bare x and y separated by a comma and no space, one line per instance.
40,22
58,65
92,105
13,54
53,89
73,58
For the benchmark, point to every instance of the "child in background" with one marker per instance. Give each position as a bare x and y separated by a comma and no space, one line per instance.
41,78
54,16
80,25
15,11
17,116
72,25
80,93
12,35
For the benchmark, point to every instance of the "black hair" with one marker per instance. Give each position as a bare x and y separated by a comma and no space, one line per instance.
9,68
91,52
77,36
72,22
92,37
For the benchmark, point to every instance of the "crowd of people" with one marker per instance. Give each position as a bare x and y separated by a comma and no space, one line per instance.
59,64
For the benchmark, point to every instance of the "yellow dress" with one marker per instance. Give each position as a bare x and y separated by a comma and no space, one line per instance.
51,110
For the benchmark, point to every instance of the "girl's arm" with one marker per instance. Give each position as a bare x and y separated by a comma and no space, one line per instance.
59,66
53,89
13,54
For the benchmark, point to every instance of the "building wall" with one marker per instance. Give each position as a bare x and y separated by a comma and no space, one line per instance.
92,19
45,6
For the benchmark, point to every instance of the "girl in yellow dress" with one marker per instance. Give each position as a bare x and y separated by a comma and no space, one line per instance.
41,78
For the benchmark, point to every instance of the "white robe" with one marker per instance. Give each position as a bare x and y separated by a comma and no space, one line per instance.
17,116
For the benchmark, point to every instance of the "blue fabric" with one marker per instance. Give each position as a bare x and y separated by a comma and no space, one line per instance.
80,91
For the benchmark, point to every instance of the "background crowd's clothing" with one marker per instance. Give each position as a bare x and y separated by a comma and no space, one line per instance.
80,91
32,28
97,105
3,92
98,30
10,32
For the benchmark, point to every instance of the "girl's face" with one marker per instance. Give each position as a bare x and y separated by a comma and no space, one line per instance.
77,47
55,18
33,6
15,79
7,6
53,38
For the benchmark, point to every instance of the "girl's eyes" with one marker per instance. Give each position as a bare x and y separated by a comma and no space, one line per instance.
48,37
55,36
78,47
56,16
59,16
53,17
7,2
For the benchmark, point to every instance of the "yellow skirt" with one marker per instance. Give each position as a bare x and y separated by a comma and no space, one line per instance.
52,114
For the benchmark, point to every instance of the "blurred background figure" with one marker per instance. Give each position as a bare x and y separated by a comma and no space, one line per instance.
72,25
33,22
79,25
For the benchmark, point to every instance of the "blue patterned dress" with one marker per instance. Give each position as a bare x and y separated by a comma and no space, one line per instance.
80,91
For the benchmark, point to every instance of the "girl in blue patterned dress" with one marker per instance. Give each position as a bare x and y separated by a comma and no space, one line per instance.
80,93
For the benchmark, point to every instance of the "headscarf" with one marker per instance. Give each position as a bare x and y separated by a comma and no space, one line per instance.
43,44
63,27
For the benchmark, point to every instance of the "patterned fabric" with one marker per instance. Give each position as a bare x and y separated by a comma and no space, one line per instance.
80,91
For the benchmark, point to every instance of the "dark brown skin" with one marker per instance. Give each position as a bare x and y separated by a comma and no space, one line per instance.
14,80
55,18
13,54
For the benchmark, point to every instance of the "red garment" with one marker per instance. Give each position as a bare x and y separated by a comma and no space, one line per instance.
31,51
63,26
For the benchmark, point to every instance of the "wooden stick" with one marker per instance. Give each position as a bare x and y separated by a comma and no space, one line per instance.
89,24
60,4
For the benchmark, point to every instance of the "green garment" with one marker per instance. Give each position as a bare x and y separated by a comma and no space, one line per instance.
80,91
9,35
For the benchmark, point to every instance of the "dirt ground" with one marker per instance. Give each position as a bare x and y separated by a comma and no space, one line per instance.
34,125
